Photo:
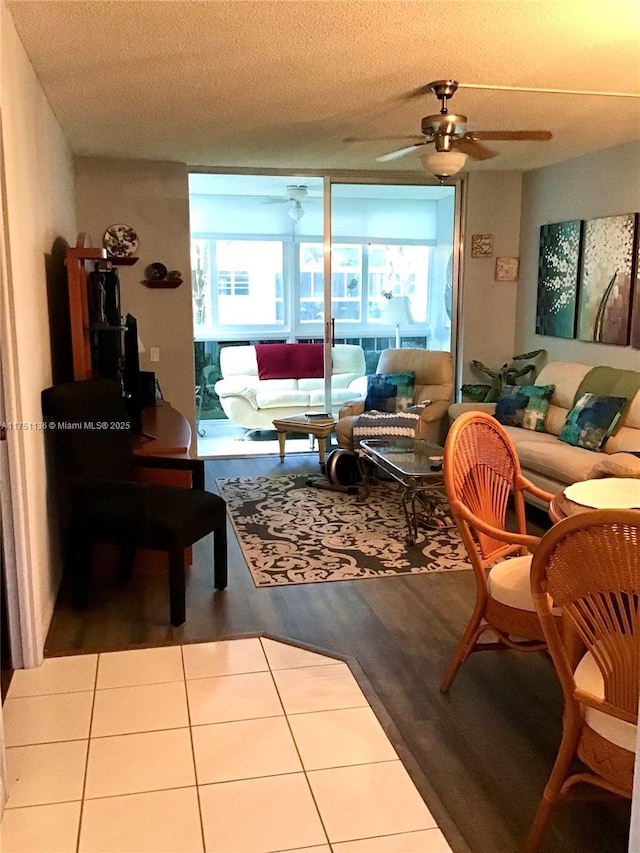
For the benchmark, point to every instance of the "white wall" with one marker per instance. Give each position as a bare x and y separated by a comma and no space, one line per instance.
153,198
489,307
602,184
39,208
395,219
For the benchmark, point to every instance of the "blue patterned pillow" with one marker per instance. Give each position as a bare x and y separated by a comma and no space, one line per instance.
592,420
524,406
389,392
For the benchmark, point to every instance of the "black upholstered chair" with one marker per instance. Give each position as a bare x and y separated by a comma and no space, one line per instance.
96,488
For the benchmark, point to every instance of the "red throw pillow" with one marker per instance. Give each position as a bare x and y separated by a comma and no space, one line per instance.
290,361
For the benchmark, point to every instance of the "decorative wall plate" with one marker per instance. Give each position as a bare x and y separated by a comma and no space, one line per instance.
121,241
607,493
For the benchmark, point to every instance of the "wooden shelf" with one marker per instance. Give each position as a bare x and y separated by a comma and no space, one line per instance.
122,262
164,282
77,258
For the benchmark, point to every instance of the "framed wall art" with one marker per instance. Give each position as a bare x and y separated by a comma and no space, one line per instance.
558,268
481,245
635,297
604,300
506,269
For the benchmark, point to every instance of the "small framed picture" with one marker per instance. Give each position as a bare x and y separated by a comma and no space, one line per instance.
506,269
481,245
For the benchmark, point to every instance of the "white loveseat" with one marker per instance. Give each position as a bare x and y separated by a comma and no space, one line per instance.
552,464
253,403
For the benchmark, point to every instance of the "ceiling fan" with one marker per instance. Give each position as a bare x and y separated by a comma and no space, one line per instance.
452,142
295,195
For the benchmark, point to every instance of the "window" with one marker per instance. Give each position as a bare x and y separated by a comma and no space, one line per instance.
248,276
398,270
346,282
233,282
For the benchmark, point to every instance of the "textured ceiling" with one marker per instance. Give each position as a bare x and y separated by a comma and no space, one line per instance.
280,85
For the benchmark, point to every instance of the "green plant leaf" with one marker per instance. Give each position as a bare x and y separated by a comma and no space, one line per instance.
483,367
524,370
478,393
533,354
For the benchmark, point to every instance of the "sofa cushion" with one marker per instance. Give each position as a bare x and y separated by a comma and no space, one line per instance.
591,420
432,371
626,440
238,361
613,382
526,436
555,419
566,376
616,465
339,396
389,392
524,406
274,399
554,459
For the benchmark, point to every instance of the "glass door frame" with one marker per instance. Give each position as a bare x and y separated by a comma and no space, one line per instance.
459,184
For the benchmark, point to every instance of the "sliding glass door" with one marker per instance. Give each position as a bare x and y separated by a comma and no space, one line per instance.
306,259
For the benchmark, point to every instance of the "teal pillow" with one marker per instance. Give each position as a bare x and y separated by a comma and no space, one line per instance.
592,420
524,406
389,392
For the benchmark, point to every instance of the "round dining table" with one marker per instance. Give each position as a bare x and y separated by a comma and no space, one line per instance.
625,489
561,507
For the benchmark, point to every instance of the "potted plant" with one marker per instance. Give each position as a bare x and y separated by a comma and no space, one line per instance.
508,374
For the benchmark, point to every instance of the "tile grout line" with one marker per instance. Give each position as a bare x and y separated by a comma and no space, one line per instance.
193,752
295,744
86,761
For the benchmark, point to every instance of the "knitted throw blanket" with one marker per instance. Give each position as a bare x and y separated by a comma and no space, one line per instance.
384,425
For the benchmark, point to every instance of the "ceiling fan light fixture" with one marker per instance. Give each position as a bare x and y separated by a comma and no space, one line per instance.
443,164
296,211
297,192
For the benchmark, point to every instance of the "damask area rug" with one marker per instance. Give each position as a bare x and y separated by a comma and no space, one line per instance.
291,533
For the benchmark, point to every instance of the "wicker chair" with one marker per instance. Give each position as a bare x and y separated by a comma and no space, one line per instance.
589,564
481,472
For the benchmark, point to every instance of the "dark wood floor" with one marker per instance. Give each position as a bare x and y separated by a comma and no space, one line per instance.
480,756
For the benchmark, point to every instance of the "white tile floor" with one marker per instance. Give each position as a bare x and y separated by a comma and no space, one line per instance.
241,746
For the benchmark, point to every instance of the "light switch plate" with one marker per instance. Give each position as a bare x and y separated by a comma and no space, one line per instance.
154,354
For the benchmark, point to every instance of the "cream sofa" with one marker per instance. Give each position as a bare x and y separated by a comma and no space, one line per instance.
253,403
552,464
433,380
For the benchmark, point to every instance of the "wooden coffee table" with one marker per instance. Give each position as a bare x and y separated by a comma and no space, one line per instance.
320,428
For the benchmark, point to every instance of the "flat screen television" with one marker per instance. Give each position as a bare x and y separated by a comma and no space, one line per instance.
131,374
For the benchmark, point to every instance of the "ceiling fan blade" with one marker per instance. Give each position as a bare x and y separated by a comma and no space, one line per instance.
515,135
416,93
395,155
275,200
413,137
475,150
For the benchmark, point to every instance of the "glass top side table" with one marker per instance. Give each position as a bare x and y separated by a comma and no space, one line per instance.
411,464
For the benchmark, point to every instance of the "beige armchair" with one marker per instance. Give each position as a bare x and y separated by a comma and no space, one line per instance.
433,380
